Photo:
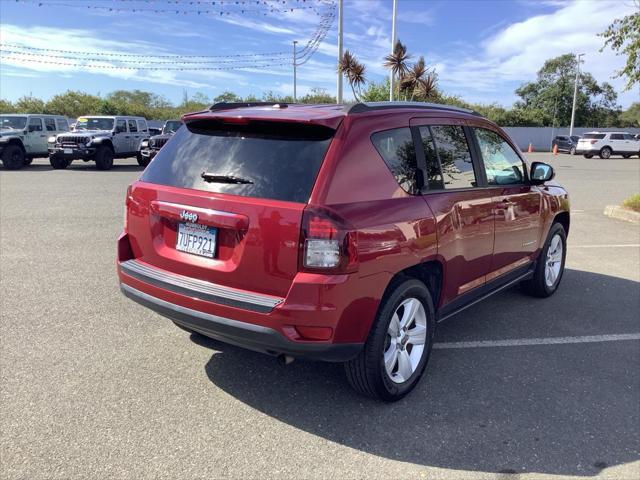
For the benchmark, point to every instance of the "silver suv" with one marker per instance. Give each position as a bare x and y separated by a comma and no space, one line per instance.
23,137
99,138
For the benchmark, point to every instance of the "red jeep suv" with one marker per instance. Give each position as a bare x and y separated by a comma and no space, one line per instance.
341,233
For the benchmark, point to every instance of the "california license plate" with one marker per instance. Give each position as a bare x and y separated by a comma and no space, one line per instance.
197,239
67,151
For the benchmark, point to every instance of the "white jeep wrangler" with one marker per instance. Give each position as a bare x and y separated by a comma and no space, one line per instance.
23,137
99,138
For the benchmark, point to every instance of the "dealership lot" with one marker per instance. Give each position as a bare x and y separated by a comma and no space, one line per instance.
96,386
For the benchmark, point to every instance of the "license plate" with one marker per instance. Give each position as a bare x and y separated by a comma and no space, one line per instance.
68,151
197,239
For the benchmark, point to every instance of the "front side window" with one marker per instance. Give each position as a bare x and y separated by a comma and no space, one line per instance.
121,126
501,162
50,124
455,156
132,126
398,151
35,124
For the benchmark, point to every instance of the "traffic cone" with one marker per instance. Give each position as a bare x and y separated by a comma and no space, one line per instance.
530,150
555,149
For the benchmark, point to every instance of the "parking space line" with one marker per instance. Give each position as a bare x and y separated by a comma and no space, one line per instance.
622,245
520,342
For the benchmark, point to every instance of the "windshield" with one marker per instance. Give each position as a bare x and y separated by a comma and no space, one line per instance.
13,123
266,160
171,126
85,123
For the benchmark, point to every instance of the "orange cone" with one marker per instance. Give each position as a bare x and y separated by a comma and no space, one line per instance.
530,150
555,149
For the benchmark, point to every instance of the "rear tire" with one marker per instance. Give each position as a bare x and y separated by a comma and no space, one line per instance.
13,157
104,158
59,163
391,364
587,155
550,264
605,153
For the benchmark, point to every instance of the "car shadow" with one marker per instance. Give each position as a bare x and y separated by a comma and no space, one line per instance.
75,167
560,409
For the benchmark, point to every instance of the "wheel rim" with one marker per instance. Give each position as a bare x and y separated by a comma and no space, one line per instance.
554,261
405,340
606,153
573,150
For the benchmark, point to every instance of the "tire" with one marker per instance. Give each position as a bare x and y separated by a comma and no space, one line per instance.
59,163
587,155
142,161
626,155
13,157
367,373
104,158
28,160
572,151
605,153
539,286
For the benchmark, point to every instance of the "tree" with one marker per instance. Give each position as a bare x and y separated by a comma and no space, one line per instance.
631,116
376,92
74,103
7,107
29,104
396,62
318,95
227,97
552,94
623,36
354,71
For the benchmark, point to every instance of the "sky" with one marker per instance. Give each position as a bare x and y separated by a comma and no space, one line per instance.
481,50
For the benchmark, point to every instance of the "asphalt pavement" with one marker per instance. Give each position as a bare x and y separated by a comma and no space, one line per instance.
95,386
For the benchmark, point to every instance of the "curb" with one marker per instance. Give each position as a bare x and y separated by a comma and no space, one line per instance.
621,213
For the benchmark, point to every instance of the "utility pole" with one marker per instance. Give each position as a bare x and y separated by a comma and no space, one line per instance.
339,86
393,45
294,72
575,93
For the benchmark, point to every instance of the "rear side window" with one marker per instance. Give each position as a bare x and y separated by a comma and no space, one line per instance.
62,125
434,173
132,126
502,164
142,125
616,136
281,161
454,155
398,151
50,124
593,136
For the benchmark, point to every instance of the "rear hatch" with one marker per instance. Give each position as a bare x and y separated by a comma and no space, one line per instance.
223,200
589,139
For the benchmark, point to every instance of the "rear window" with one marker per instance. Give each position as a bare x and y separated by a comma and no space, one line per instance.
398,151
280,160
593,136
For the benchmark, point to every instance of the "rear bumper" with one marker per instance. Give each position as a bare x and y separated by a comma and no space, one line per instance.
247,335
588,151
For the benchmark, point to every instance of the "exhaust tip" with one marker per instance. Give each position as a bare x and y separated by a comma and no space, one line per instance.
285,359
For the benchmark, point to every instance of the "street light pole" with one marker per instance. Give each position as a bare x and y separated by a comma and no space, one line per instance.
393,45
339,86
575,93
294,72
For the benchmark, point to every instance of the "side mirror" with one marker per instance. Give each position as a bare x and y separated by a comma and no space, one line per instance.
541,172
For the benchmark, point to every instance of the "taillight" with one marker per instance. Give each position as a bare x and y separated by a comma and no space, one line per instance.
593,141
127,201
328,244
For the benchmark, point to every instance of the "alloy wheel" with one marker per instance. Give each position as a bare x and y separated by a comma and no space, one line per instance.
553,261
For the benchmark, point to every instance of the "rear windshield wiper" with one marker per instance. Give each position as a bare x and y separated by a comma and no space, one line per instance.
216,178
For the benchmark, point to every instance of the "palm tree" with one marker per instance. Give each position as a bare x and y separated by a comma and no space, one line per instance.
414,77
354,71
397,62
427,86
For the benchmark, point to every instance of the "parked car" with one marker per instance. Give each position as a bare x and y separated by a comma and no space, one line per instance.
605,144
154,131
338,233
566,143
151,146
100,139
23,137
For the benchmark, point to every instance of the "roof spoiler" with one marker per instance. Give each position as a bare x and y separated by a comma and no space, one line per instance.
231,105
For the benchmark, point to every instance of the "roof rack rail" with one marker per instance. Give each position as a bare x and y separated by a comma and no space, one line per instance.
232,105
372,106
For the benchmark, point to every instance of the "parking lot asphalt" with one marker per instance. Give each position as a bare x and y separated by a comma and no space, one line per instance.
95,386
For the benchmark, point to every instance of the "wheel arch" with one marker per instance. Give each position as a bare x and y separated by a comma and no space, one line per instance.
17,142
105,142
564,219
430,272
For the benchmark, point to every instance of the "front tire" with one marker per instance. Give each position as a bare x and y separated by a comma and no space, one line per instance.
58,163
142,161
587,155
605,153
104,158
13,157
397,350
626,155
550,264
